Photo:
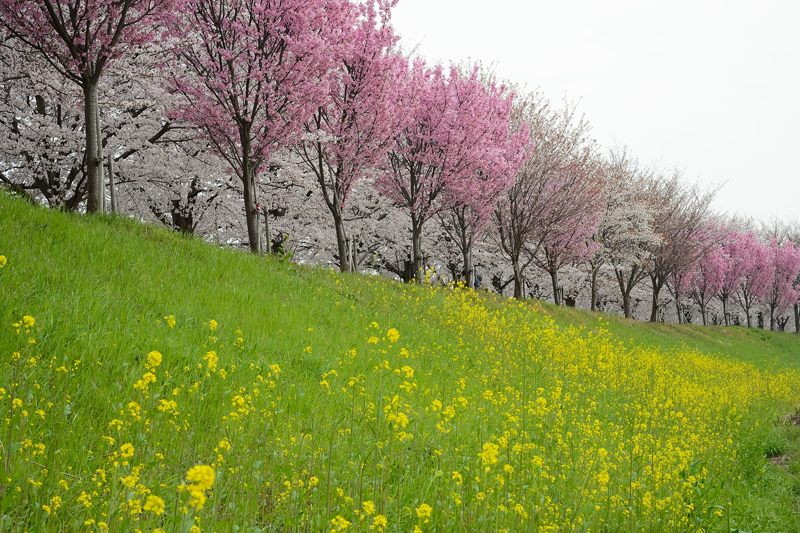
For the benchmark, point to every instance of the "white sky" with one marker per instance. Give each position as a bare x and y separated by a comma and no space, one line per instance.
712,87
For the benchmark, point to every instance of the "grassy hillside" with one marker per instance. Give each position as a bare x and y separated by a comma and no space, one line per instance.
159,382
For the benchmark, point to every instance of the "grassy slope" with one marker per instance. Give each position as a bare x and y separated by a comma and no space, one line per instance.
131,274
767,349
99,287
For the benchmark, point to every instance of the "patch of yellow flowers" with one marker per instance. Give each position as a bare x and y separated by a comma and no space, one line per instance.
507,422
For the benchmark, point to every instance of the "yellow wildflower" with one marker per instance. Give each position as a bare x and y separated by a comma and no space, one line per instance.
153,360
154,504
379,523
339,523
201,476
126,450
85,499
489,454
424,512
211,360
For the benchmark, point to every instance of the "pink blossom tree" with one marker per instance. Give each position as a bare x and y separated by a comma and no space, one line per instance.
448,140
782,266
748,260
535,203
473,198
708,280
571,218
678,284
349,134
251,72
680,216
685,274
79,39
733,271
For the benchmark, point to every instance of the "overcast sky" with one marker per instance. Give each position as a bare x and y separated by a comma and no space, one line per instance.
712,87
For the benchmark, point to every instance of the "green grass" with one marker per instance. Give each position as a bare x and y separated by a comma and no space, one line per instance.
585,394
767,349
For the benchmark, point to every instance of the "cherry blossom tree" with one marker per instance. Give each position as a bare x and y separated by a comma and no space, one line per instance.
680,216
678,284
534,206
748,258
625,234
349,134
572,217
448,141
782,266
474,198
685,278
251,73
708,279
43,155
80,39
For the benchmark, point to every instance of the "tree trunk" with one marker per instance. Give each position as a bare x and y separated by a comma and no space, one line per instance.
554,279
249,183
772,318
725,315
703,314
258,225
625,292
594,289
341,242
267,243
797,318
469,272
678,309
519,281
100,160
94,192
654,306
111,186
416,249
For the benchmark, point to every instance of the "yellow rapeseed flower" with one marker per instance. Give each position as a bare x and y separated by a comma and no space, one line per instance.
153,360
489,454
211,360
85,499
424,512
339,523
393,335
379,523
201,476
126,450
154,504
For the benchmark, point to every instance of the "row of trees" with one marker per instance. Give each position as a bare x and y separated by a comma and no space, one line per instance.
196,112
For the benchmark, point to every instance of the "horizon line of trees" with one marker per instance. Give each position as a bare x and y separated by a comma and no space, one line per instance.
184,110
